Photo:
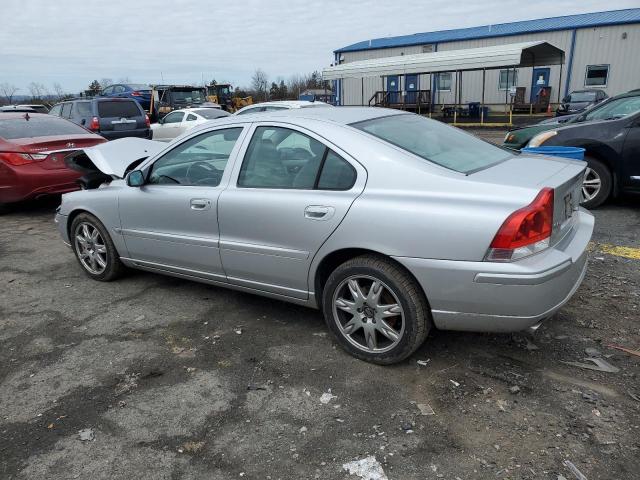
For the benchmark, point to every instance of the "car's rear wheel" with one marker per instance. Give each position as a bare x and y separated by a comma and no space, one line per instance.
375,309
94,249
597,183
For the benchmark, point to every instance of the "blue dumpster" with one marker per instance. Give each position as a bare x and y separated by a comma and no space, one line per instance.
575,153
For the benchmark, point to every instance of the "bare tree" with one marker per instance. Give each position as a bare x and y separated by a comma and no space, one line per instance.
124,80
37,90
59,91
105,82
260,83
8,91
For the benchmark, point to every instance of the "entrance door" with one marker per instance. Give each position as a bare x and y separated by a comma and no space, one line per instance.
540,79
411,86
393,86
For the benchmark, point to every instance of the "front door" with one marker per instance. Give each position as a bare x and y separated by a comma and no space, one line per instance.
171,222
169,127
292,191
393,86
411,86
539,79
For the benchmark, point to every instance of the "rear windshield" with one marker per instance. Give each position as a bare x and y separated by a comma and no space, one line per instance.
434,141
45,126
211,113
139,86
119,109
582,97
194,96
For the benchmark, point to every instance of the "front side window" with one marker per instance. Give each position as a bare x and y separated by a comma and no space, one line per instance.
173,117
596,75
508,79
443,81
434,141
283,158
199,161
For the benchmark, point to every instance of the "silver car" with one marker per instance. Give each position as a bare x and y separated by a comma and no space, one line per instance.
390,223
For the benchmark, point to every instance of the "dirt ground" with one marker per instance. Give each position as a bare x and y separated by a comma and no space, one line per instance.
152,377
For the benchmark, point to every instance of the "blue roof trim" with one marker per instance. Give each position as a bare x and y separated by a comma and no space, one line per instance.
584,20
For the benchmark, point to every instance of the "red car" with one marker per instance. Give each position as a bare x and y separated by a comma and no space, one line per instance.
32,151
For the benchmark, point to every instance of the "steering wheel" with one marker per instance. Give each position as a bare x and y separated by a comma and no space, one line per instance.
211,172
203,165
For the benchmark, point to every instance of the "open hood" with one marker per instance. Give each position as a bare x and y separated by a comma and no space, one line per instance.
113,158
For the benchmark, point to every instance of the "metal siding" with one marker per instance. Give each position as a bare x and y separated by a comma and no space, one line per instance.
604,45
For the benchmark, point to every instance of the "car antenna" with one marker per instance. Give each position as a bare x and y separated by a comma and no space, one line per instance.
26,116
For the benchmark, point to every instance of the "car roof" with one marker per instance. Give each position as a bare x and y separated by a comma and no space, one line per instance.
286,103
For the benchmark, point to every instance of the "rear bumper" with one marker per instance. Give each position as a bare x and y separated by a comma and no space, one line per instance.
114,135
24,182
504,297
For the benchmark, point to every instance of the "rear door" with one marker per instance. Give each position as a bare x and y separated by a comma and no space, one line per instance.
171,222
289,193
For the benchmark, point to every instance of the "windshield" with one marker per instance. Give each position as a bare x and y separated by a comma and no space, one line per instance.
191,96
616,108
434,141
581,97
45,126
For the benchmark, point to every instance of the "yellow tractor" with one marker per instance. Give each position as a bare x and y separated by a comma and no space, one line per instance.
222,94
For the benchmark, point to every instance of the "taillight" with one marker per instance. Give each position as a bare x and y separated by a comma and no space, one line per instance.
526,231
136,94
146,120
95,124
17,159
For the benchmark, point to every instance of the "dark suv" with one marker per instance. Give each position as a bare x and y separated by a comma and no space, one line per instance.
110,117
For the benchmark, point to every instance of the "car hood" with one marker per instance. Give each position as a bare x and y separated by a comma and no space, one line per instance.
113,158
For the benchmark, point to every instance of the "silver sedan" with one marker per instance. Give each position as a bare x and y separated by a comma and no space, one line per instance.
390,223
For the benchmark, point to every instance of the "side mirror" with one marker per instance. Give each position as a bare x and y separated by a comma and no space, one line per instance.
135,178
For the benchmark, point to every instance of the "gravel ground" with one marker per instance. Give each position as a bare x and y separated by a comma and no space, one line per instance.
156,377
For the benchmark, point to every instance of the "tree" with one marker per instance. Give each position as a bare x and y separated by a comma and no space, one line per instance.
213,82
95,87
259,82
59,91
8,91
37,90
105,82
123,80
283,90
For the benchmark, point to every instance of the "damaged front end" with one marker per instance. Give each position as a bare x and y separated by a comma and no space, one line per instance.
112,160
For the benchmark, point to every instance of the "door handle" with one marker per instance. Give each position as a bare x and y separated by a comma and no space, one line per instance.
200,204
319,212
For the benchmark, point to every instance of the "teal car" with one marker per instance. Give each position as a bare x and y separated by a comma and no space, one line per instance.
519,137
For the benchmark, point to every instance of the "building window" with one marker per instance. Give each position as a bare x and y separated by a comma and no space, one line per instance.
596,75
508,79
443,82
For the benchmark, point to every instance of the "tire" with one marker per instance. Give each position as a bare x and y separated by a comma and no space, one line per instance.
97,254
597,184
358,323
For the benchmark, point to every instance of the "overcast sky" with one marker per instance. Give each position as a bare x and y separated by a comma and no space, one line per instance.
72,42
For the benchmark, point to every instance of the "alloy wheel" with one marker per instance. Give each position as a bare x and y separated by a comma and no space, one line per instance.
591,185
374,321
90,248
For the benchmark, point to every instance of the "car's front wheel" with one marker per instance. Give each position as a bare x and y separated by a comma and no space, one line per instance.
597,183
94,248
375,309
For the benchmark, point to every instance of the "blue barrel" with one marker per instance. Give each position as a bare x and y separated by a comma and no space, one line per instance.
575,153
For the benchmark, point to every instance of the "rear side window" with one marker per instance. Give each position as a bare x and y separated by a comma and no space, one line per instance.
119,109
284,158
38,127
66,110
56,110
83,109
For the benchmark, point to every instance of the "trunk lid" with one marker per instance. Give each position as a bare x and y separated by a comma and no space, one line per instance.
539,171
114,158
56,147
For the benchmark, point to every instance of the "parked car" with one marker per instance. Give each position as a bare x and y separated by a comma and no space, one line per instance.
279,105
179,121
32,151
136,91
579,100
610,135
110,117
389,222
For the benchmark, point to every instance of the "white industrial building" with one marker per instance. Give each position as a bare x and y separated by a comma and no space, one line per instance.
598,50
